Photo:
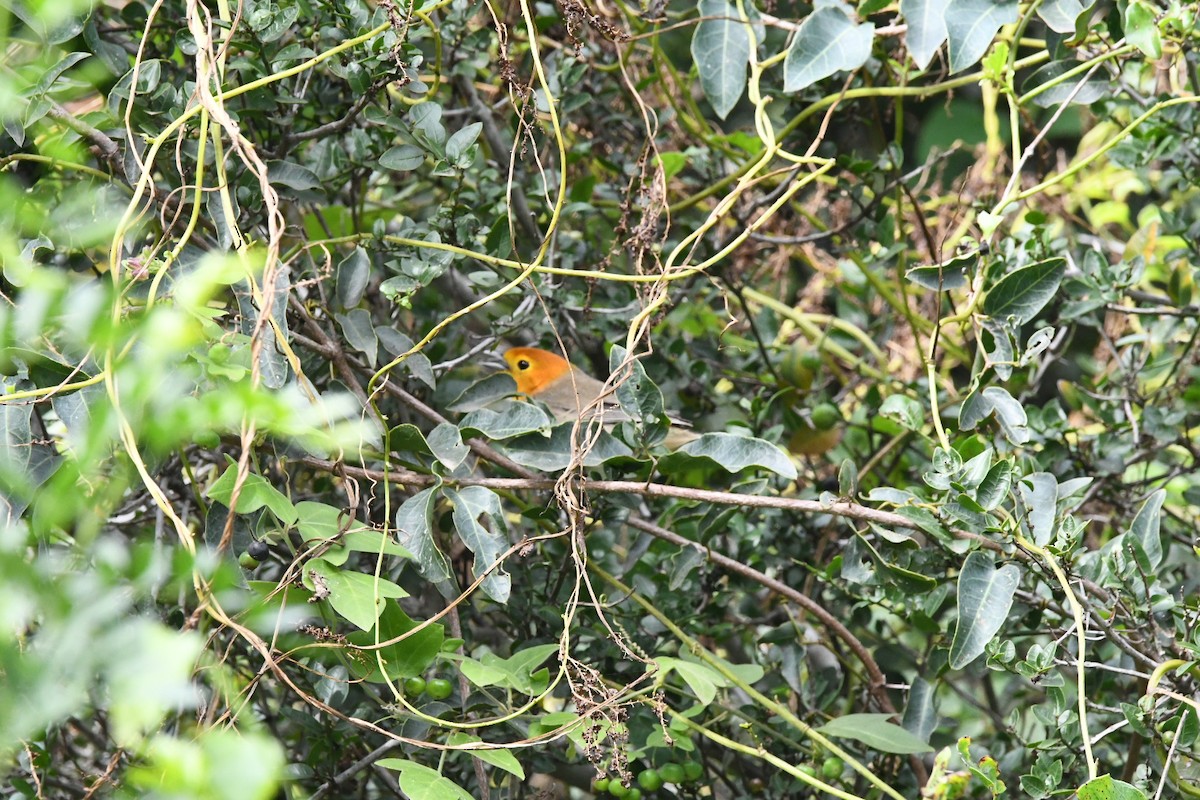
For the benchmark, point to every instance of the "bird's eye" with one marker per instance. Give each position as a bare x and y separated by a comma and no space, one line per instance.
523,364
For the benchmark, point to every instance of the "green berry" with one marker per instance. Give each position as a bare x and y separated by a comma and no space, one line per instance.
650,780
439,688
825,416
832,768
672,772
414,686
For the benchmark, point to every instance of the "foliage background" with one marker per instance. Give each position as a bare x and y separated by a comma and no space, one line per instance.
925,271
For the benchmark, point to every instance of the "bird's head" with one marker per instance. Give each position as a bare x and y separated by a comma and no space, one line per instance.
534,369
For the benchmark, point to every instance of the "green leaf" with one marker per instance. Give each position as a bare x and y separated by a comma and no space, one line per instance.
926,28
553,453
1068,90
506,419
353,274
985,594
486,671
447,445
875,732
499,758
358,597
425,121
732,453
639,397
920,712
114,57
256,493
701,679
419,782
484,392
908,580
828,41
319,522
512,673
942,277
408,440
359,330
402,158
971,26
48,78
721,52
1022,293
848,478
1039,492
1009,413
1060,15
993,489
747,673
1145,527
1141,29
364,540
487,542
1106,787
1000,356
905,411
396,343
414,531
293,176
462,139
1069,488
406,658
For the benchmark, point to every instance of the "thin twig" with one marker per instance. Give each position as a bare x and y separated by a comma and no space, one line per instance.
842,508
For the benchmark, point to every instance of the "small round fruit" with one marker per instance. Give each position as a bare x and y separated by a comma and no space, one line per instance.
439,688
600,785
692,770
808,770
800,366
650,780
825,416
414,686
259,549
634,794
618,789
832,768
672,772
247,561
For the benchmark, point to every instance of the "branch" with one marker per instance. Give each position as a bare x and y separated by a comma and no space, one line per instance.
842,508
356,767
876,678
102,141
876,683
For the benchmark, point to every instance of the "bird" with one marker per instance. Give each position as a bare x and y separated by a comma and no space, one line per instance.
569,392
